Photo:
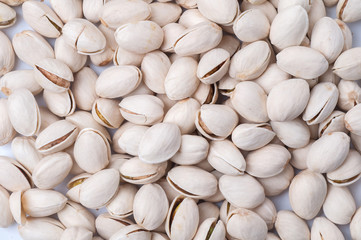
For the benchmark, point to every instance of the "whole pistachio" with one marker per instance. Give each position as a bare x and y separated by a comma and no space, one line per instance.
105,111
349,94
7,132
171,33
92,9
61,104
7,16
41,229
293,134
193,150
19,79
68,9
322,228
213,65
347,65
121,206
74,233
164,13
219,11
132,232
127,138
83,88
25,152
6,217
211,229
290,226
348,10
267,211
107,225
7,55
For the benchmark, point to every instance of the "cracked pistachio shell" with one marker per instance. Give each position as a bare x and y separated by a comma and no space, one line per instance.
299,156
16,207
83,88
347,65
25,152
84,36
150,206
183,114
221,12
323,100
75,215
268,212
74,186
246,224
287,100
121,206
251,25
91,150
275,185
226,158
83,119
267,8
7,132
213,66
117,13
41,229
106,112
250,101
230,43
7,16
293,134
322,228
249,136
197,39
307,193
67,54
109,35
187,4
136,171
53,75
211,229
103,58
334,123
129,138
350,94
272,76
61,104
124,57
284,4
354,225
56,137
68,9
327,38
339,205
118,81
117,160
352,122
348,10
227,85
206,93
159,143
191,17
242,191
42,19
132,232
302,62
251,61
289,226
155,66
6,217
207,210
347,34
349,172
171,33
142,109
7,55
47,118
75,233
193,150
42,203
181,80
289,27
274,156
23,112
97,190
19,79
164,13
317,11
107,225
192,182
52,170
208,121
31,47
92,9
139,37
328,152
182,219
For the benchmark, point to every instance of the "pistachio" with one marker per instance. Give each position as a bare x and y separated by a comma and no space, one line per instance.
290,226
187,3
105,111
284,4
92,9
74,186
293,134
207,210
42,19
271,77
299,156
219,11
206,93
193,150
16,207
123,57
6,218
334,123
182,219
7,16
355,231
83,88
23,112
307,193
211,229
159,143
267,8
132,232
251,61
171,33
213,65
348,10
317,11
61,104
192,181
56,137
85,37
7,132
164,13
74,233
267,211
242,191
108,225
19,79
41,228
122,203
350,94
136,171
91,150
7,55
347,65
347,34
52,170
127,138
227,85
322,228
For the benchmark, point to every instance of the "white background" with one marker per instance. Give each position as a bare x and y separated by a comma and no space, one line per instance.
281,201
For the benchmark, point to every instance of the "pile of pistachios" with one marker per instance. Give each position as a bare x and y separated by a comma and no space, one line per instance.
205,110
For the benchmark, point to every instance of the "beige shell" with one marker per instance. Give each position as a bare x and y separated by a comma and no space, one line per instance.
121,206
83,88
271,77
267,8
293,134
290,226
213,65
164,13
92,9
273,186
334,123
349,94
347,65
211,229
268,212
193,150
7,132
221,12
106,112
68,9
132,232
324,228
25,152
107,225
355,231
348,10
19,79
7,55
6,218
41,228
61,104
7,15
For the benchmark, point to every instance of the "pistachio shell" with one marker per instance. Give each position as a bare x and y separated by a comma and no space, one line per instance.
68,54
324,228
348,10
164,13
290,226
7,132
7,55
121,205
61,104
6,217
350,94
129,139
213,65
293,134
211,229
347,65
68,9
105,111
132,232
108,225
83,88
193,150
7,15
41,229
19,79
